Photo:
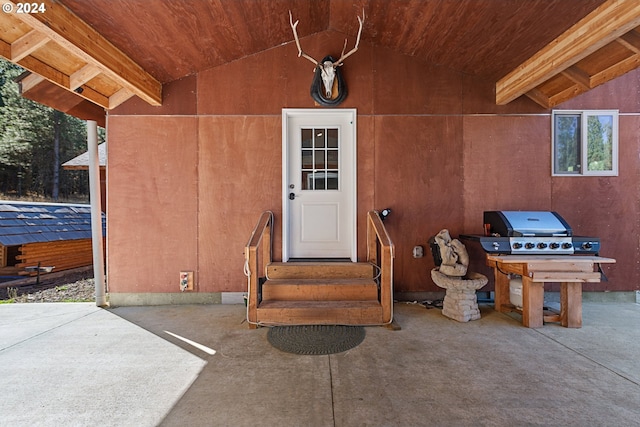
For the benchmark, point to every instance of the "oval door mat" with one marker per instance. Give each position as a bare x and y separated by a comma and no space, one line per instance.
315,339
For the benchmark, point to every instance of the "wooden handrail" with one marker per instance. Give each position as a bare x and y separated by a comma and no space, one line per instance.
258,254
381,251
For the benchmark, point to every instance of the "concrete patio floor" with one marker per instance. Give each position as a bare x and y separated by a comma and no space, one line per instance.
78,365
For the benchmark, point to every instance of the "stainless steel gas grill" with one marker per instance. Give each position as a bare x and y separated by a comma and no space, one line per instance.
527,249
531,232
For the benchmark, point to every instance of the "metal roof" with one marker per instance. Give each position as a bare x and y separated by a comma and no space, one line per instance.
30,222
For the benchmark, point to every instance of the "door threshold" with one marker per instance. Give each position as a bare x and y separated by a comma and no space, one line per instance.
319,260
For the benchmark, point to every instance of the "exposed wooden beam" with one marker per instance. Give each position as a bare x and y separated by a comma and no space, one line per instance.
565,95
579,76
609,21
631,41
54,76
83,75
539,98
5,49
29,82
27,44
616,70
119,97
75,35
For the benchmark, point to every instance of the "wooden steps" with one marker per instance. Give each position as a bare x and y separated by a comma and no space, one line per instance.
320,312
319,290
326,270
312,293
308,293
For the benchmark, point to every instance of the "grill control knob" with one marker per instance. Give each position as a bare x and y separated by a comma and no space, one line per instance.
517,245
554,245
529,245
566,245
587,245
542,245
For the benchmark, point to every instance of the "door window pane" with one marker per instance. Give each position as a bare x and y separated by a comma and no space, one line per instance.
319,159
307,138
307,159
307,180
320,135
332,159
332,180
332,138
319,181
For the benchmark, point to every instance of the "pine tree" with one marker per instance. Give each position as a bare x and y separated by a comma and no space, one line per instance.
30,136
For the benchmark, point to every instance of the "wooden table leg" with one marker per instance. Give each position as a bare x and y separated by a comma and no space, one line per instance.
501,290
571,304
532,303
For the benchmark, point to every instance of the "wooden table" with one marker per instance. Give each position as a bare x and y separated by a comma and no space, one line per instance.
571,271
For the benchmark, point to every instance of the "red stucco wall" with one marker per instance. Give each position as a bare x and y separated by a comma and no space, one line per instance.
188,180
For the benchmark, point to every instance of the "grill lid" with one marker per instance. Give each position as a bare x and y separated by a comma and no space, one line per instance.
527,223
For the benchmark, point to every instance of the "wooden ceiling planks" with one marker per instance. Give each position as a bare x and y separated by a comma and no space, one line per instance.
175,39
486,38
178,38
163,41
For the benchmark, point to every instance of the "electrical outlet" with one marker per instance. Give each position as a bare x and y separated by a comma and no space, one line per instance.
418,251
186,281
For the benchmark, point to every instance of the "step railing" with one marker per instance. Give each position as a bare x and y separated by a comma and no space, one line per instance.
258,254
381,252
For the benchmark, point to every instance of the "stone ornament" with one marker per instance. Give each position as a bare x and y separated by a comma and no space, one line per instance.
455,259
460,300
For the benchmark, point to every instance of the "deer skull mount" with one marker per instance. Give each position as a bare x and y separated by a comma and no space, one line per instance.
327,73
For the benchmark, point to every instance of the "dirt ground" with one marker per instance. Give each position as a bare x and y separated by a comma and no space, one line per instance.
76,286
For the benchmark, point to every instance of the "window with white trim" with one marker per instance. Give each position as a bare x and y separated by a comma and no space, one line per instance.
585,142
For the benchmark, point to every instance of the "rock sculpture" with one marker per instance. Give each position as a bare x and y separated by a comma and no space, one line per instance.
460,301
455,259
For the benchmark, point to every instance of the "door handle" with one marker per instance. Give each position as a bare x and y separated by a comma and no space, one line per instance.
292,196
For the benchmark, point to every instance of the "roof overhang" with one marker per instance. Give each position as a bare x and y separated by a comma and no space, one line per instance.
69,53
602,46
38,89
74,57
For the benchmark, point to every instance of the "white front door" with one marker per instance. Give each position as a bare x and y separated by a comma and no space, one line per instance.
319,184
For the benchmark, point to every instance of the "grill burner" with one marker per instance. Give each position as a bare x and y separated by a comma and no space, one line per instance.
531,232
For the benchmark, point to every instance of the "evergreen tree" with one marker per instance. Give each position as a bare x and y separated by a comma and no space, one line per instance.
567,136
29,165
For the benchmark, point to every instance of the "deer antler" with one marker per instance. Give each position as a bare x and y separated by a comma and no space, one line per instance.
295,34
344,56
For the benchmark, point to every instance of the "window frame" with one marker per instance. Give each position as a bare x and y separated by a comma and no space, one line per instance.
583,142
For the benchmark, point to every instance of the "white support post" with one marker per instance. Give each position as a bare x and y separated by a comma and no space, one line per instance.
96,212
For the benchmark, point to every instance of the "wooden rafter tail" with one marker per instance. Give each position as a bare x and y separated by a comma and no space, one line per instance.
27,44
119,97
631,41
81,40
83,75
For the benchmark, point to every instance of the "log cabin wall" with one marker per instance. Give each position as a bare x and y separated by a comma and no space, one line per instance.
187,181
63,255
